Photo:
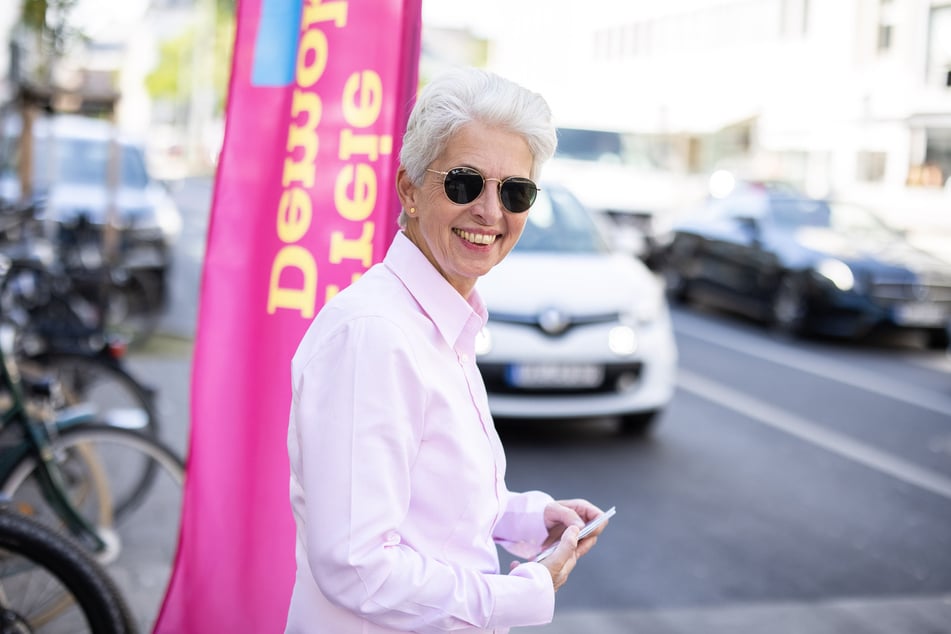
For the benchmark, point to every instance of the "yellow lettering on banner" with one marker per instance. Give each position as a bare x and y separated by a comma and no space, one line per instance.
317,11
294,213
362,98
293,282
311,58
360,205
302,299
360,249
369,145
304,136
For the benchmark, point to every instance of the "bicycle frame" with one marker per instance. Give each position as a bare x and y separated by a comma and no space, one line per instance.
37,437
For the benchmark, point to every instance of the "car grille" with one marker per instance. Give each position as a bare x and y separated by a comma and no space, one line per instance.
891,292
553,322
495,377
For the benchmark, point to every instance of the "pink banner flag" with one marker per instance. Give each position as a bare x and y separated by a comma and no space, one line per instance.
304,203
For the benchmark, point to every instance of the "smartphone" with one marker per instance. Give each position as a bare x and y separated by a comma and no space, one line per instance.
584,532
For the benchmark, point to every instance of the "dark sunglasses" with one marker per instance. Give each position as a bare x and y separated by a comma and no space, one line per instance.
464,185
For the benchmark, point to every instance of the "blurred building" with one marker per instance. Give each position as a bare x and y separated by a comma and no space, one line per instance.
847,96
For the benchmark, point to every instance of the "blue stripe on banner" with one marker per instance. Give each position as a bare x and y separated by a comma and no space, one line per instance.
275,48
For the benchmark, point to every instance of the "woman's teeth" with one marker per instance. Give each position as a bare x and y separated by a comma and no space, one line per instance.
475,238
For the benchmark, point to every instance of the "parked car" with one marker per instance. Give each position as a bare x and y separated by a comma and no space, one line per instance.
575,329
71,155
808,266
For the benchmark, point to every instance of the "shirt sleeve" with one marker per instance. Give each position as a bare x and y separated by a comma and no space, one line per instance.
521,529
359,416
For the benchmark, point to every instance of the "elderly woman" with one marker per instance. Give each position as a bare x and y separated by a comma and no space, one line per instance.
397,473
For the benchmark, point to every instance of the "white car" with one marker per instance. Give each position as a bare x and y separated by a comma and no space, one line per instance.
71,159
575,329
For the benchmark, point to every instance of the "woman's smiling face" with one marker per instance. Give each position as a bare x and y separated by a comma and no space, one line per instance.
464,242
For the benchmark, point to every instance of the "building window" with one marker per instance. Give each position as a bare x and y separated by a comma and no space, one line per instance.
938,155
884,37
886,25
939,47
870,166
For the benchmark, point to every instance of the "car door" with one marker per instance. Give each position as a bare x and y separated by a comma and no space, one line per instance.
734,254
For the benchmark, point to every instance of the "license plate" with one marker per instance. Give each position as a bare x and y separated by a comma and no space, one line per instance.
555,375
921,314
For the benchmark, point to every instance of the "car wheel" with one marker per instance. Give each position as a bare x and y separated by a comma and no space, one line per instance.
639,424
789,307
937,339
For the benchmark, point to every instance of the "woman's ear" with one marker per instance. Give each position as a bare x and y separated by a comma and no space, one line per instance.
405,189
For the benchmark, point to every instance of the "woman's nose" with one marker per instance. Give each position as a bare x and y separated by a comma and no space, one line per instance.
490,207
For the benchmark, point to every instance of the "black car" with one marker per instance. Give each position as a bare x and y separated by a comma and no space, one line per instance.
808,266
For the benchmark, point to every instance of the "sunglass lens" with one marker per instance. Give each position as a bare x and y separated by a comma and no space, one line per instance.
463,185
518,194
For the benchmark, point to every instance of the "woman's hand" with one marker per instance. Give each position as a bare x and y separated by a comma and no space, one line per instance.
564,518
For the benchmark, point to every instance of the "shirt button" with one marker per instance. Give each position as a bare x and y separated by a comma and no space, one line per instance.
464,358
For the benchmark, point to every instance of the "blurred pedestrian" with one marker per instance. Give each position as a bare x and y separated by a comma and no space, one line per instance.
397,472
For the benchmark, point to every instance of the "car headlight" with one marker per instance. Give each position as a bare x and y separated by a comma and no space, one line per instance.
837,272
622,340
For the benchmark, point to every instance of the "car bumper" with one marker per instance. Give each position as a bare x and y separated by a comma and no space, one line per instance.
854,314
641,382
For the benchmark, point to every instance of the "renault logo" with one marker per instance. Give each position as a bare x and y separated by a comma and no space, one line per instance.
553,321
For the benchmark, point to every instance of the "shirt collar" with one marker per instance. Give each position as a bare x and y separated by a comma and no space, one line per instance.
452,314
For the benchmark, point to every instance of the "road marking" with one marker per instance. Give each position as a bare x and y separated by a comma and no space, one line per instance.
827,439
805,362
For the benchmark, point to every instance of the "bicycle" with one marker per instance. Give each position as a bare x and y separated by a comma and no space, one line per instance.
70,471
56,336
49,584
56,279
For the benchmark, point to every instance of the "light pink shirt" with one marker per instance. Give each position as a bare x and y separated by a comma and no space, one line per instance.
397,472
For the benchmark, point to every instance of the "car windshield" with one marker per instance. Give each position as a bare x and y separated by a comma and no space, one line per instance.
605,146
799,212
793,212
82,162
558,223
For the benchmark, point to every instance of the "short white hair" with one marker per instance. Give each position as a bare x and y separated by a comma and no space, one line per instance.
463,95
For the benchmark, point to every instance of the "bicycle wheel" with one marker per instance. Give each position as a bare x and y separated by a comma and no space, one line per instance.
142,536
39,568
95,452
119,398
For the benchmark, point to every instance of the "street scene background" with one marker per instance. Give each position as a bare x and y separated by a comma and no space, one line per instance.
792,485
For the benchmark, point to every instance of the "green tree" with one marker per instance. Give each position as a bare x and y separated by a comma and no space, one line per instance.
47,24
173,78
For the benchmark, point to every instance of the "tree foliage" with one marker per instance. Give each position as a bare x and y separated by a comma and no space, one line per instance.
173,78
47,23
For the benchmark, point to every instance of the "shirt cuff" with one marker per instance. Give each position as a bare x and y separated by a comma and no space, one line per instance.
528,597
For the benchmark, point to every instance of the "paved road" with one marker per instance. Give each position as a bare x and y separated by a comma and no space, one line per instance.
786,490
